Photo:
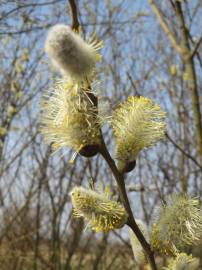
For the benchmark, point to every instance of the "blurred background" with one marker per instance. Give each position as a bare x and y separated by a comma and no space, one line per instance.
37,230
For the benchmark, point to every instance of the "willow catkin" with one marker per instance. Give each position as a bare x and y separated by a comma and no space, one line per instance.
138,251
179,223
73,56
137,123
183,262
100,212
68,118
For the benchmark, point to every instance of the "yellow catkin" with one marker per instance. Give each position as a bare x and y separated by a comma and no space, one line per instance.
68,118
179,223
138,123
164,247
183,262
100,212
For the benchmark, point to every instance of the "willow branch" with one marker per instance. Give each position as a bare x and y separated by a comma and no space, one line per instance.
75,21
119,177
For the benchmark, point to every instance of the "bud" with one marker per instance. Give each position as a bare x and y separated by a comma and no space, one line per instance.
68,118
73,56
138,123
138,251
101,213
3,131
173,70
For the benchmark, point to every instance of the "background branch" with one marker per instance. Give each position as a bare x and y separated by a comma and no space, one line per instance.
164,26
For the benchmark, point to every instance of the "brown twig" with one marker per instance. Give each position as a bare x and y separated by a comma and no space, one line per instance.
198,43
75,21
119,177
183,151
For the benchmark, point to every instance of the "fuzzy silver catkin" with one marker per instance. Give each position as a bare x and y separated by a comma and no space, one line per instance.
73,56
138,252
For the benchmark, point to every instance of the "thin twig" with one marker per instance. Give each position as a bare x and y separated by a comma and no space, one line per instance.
75,21
164,26
197,52
119,177
183,151
196,47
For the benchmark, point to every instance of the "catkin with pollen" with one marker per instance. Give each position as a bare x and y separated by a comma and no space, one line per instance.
69,119
183,262
179,223
101,213
137,123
